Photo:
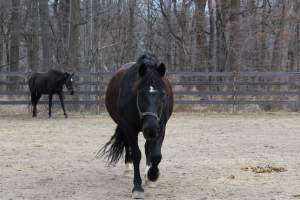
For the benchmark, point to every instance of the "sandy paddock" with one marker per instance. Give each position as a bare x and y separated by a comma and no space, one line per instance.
203,157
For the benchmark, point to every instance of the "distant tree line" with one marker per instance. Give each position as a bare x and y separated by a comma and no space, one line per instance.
188,35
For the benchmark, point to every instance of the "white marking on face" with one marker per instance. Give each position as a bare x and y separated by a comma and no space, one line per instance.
71,79
151,89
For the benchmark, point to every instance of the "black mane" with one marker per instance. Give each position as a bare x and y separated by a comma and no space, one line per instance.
151,77
148,59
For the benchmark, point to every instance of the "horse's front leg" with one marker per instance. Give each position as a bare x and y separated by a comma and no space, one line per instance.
61,98
50,104
153,154
137,191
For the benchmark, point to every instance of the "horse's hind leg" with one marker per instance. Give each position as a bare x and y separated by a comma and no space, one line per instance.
61,98
50,104
128,159
34,101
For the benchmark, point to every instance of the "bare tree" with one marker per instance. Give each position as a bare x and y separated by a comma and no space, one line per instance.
212,36
74,38
15,36
201,54
46,34
15,41
33,36
232,61
277,48
131,31
221,53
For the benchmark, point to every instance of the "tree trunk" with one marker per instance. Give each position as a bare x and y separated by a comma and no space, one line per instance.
74,43
221,53
232,63
277,48
33,40
88,33
201,54
149,34
212,33
181,18
296,43
96,34
46,34
63,32
15,40
131,48
2,45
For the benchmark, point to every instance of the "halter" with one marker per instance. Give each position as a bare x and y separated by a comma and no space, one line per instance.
142,114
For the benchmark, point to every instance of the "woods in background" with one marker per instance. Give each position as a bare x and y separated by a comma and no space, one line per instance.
188,35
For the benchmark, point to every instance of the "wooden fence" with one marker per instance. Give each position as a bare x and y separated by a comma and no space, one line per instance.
265,89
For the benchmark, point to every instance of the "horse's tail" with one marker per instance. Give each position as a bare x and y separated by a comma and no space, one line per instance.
30,83
113,149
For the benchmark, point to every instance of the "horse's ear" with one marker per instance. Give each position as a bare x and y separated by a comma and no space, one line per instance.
161,69
72,74
142,69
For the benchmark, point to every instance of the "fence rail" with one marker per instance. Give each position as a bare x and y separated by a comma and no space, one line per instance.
190,88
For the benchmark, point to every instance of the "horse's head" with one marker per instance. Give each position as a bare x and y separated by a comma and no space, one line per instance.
69,82
151,97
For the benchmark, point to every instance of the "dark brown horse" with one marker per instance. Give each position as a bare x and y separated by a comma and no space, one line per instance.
139,98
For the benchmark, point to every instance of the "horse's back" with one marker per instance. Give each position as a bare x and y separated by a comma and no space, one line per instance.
38,82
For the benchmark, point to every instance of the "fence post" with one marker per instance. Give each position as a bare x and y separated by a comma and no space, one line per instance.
234,91
298,98
98,91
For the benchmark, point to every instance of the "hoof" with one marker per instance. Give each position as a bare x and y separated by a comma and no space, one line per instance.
138,195
153,174
148,183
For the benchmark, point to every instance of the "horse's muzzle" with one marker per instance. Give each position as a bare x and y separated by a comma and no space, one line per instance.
150,133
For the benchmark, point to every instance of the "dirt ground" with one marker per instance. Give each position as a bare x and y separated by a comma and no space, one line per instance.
203,158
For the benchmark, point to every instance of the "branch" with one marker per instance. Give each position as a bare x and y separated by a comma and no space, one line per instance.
176,37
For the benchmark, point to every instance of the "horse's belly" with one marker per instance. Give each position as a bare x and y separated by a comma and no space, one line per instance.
112,95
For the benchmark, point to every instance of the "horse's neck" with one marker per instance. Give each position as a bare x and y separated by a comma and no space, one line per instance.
61,80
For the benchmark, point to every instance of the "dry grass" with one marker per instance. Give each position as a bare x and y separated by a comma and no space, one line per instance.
264,169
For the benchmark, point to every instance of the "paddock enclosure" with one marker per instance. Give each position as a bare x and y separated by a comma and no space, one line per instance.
205,156
197,91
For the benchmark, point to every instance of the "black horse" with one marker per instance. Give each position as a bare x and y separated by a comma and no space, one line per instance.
49,83
139,98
